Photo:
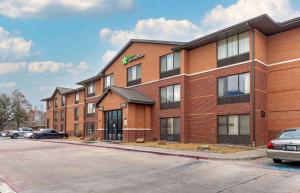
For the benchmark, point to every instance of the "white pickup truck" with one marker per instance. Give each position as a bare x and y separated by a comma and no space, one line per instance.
14,134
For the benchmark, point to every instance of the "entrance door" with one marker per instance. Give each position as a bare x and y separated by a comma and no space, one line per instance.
113,125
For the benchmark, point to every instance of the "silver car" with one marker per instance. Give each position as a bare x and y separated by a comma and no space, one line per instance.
286,146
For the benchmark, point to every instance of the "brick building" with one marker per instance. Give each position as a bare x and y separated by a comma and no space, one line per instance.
237,85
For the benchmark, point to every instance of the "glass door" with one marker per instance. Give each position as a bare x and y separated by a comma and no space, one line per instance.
113,125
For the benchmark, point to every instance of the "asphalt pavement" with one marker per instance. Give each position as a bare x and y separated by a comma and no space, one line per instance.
39,167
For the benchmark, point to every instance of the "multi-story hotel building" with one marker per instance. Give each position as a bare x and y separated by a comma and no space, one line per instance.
237,85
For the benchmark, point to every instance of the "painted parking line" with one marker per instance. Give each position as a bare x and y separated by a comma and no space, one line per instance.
4,188
285,167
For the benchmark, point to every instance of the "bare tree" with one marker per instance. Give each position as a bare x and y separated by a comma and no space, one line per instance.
5,110
20,105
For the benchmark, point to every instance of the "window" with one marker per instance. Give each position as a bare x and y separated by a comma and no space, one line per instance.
55,115
134,75
233,49
76,97
62,115
91,109
170,96
48,104
63,101
62,128
76,130
55,102
90,128
234,125
76,113
48,123
169,65
108,81
232,89
91,89
170,129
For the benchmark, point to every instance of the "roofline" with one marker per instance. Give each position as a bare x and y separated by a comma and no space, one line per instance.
235,27
63,93
74,90
46,99
93,78
129,101
219,32
131,41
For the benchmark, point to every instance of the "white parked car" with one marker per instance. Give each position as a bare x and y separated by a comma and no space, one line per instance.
14,134
286,146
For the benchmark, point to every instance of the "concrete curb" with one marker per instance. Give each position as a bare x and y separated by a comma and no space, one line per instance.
156,152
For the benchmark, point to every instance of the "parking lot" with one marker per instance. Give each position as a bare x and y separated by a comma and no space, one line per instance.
40,167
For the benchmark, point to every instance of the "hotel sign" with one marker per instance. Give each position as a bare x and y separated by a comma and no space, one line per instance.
129,58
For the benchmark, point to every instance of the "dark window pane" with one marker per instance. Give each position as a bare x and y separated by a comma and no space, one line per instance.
244,124
222,121
163,64
233,125
170,126
129,74
163,95
176,128
233,88
163,126
176,60
244,83
170,94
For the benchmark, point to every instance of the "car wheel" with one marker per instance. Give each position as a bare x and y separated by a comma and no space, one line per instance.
15,136
278,161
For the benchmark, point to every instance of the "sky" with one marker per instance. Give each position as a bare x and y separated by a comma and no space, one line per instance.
50,43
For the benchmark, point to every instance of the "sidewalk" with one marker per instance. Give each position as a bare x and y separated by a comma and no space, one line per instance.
243,155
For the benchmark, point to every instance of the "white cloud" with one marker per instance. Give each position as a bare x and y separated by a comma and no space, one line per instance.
153,28
53,66
45,66
220,16
45,8
11,67
11,47
8,85
108,55
184,30
77,69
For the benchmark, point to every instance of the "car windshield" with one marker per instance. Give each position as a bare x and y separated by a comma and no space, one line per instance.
290,134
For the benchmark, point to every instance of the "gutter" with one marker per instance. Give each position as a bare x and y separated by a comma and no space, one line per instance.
253,86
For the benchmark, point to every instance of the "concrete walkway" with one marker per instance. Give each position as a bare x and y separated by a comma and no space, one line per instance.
243,155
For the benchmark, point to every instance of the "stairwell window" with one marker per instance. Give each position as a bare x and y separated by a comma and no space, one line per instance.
134,75
76,97
90,128
55,103
62,115
63,101
91,109
91,89
233,49
170,96
108,81
169,65
76,113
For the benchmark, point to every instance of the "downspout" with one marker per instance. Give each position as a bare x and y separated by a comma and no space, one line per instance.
253,87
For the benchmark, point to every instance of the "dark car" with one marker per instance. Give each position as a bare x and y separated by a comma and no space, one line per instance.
49,134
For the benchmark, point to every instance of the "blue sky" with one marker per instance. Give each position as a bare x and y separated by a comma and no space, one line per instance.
60,42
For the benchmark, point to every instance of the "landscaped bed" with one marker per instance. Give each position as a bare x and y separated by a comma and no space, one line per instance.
214,148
